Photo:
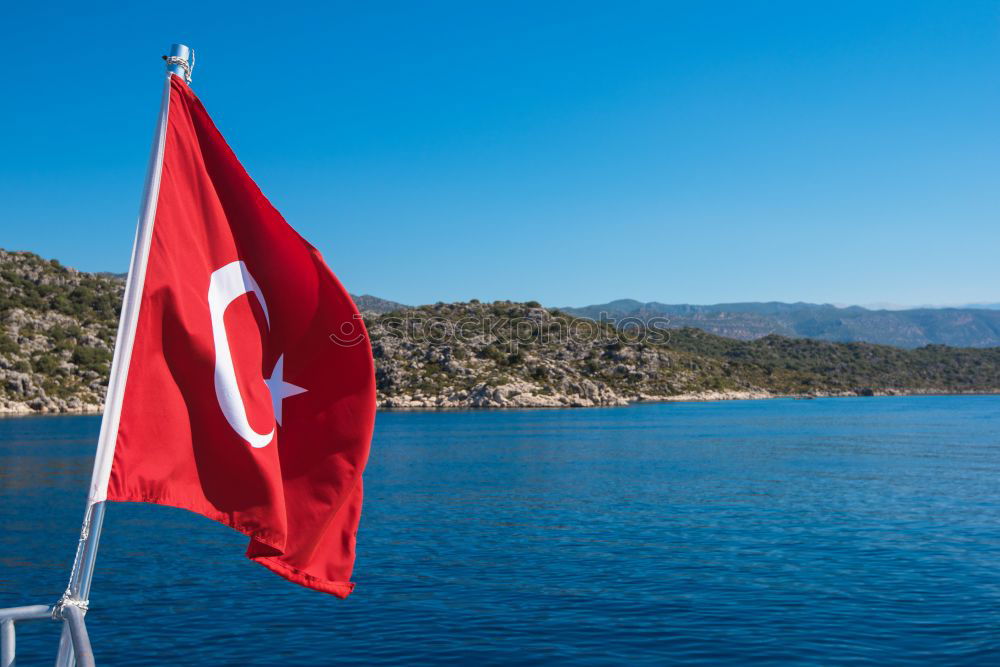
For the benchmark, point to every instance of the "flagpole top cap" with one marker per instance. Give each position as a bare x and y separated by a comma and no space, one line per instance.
180,61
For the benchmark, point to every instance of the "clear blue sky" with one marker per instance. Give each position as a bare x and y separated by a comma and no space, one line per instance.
569,152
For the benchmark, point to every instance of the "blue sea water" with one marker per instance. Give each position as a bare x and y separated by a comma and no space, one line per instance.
831,531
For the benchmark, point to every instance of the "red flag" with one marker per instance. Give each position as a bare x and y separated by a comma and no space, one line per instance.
250,391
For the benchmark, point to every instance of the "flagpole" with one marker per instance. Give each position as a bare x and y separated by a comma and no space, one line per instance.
179,62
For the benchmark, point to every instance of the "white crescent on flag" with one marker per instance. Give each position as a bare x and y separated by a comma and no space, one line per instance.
226,285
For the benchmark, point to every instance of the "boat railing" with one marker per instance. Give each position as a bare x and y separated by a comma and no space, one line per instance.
68,612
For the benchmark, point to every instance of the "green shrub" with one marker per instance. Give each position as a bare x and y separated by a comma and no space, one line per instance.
92,358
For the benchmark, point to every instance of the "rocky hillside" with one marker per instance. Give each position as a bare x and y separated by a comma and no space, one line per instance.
57,327
959,327
514,354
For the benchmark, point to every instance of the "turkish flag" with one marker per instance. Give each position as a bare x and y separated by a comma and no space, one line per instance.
250,393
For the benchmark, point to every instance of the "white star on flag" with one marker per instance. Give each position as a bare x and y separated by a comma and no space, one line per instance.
280,390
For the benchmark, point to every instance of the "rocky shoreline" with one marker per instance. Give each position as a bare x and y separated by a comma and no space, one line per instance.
515,397
16,408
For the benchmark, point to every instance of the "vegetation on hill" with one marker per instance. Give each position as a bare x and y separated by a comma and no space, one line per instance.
57,328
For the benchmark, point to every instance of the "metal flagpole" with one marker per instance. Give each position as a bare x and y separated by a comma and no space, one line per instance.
74,645
74,600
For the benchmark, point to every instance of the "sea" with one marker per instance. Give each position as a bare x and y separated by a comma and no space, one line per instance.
827,531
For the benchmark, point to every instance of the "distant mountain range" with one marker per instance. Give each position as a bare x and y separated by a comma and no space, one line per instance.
957,327
367,303
933,306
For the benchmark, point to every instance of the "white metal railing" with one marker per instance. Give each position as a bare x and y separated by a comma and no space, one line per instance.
71,614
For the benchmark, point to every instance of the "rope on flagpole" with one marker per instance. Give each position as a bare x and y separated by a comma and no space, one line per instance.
182,62
81,548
